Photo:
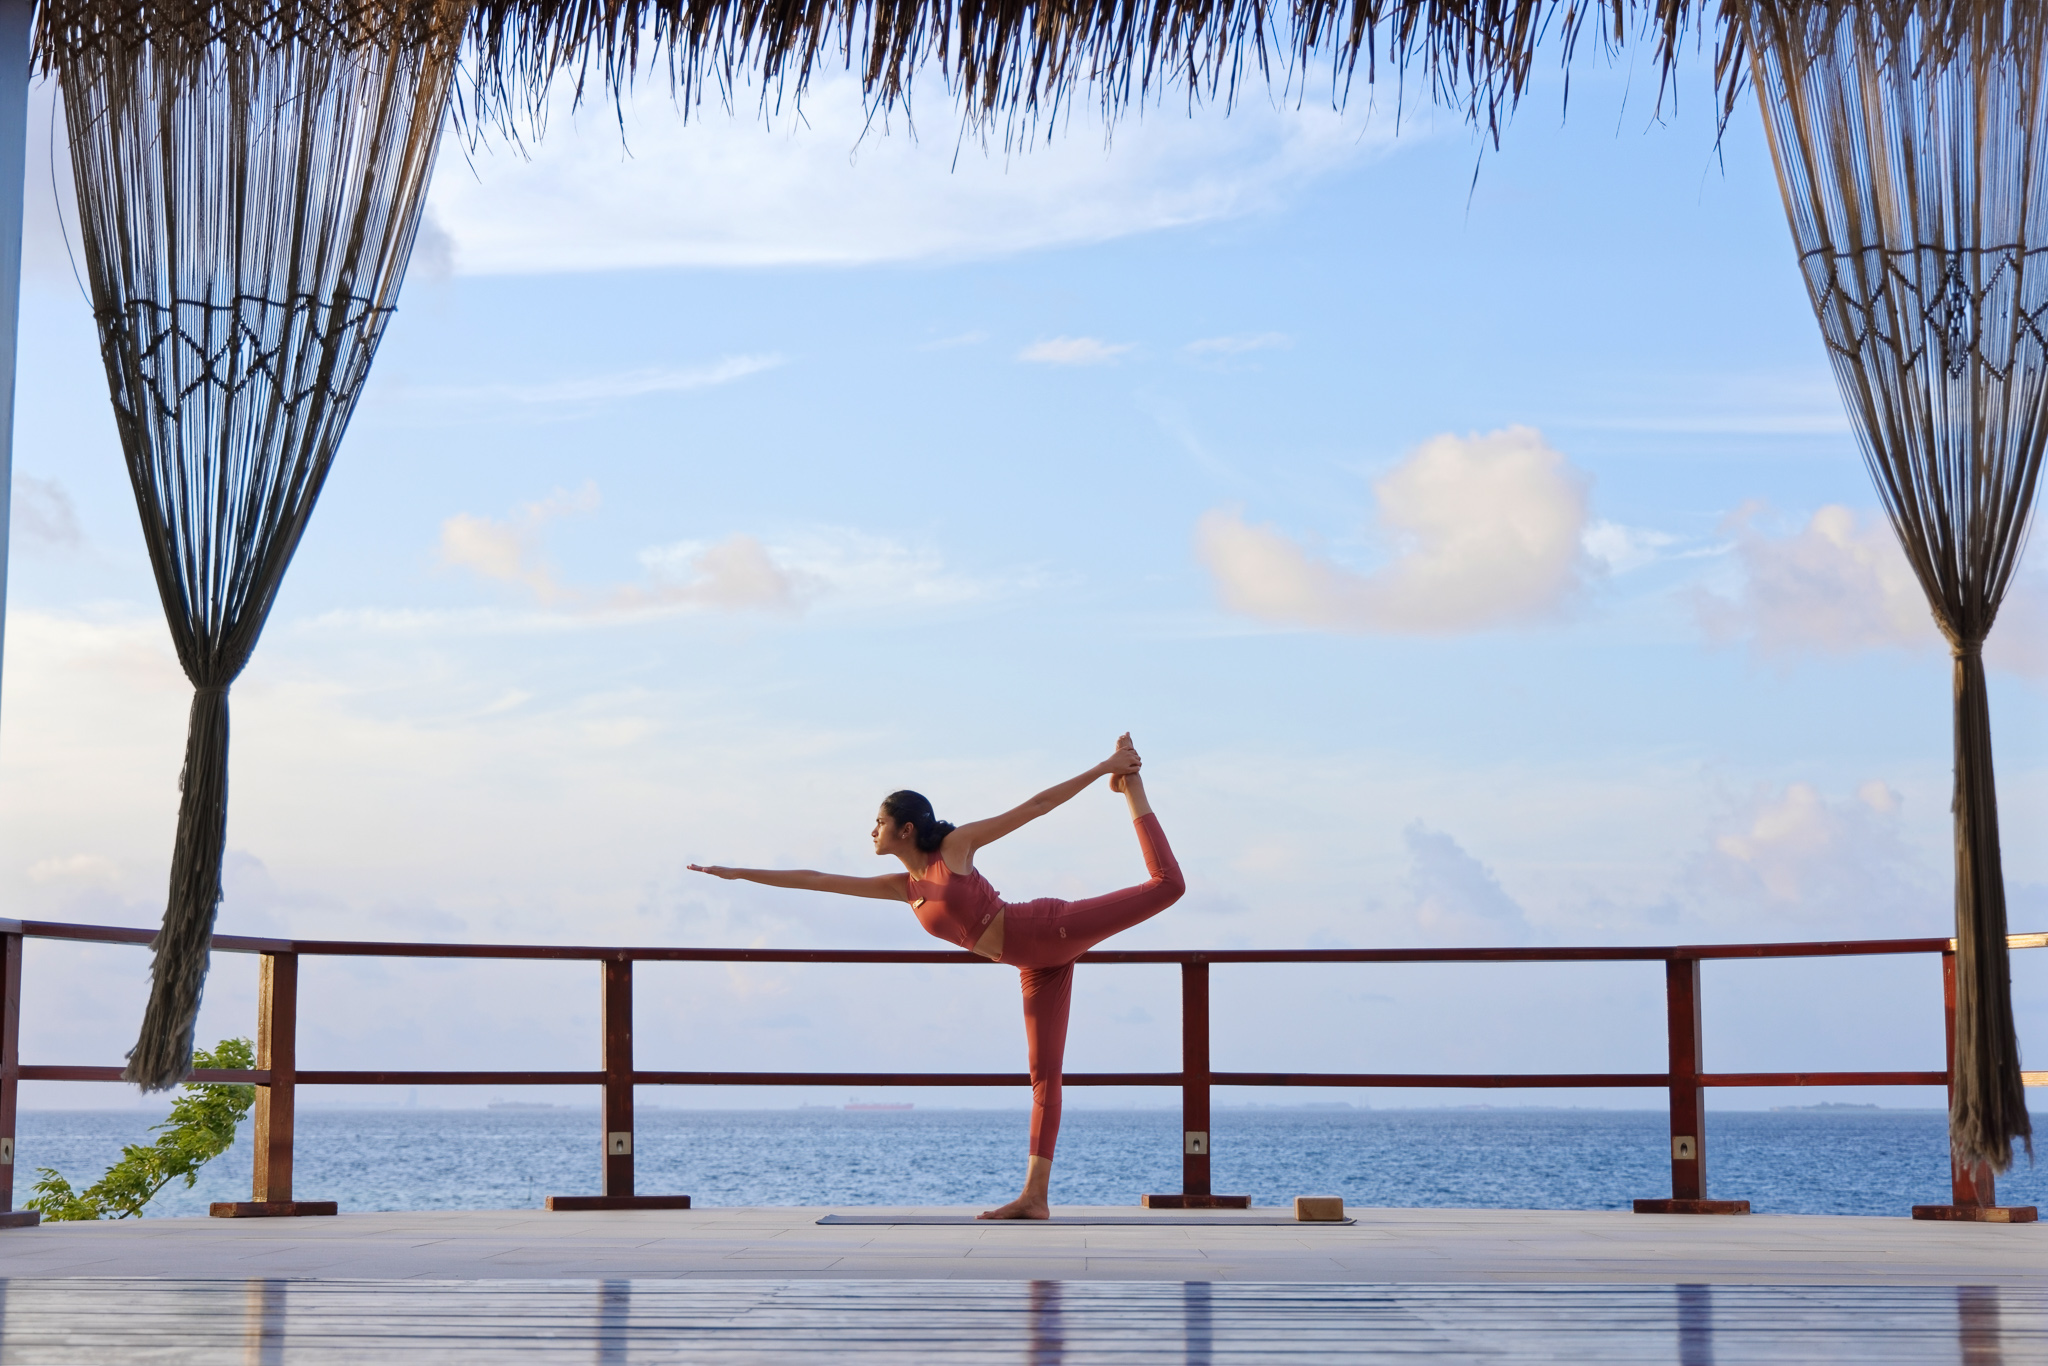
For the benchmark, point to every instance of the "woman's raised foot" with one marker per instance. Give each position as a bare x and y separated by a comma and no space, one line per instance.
1123,742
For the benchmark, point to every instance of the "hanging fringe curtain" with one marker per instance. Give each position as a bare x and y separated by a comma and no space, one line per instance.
1910,151
249,183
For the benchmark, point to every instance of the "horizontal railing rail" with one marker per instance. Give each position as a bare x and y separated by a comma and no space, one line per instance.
277,1075
1604,953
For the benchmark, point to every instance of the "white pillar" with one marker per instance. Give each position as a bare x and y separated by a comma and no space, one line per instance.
14,76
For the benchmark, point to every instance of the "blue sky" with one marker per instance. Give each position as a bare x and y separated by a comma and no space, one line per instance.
1476,558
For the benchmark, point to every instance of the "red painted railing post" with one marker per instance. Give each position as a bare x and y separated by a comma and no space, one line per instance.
1196,1192
616,1009
618,1077
1194,1079
1688,1099
1967,1189
1973,1194
1195,1184
10,1077
277,1051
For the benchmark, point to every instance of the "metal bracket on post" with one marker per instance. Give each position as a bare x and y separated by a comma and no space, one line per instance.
277,1052
1973,1192
617,1013
1688,1100
1194,1101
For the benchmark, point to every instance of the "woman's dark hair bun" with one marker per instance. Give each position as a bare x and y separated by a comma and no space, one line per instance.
914,808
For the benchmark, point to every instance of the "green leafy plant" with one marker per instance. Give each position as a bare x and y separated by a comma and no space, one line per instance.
200,1128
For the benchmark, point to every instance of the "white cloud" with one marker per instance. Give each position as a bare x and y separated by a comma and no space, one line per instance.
738,572
1486,529
1620,549
91,870
509,551
1841,584
827,189
833,568
1837,585
44,518
1073,351
1456,898
1238,345
2019,639
1794,855
624,384
1797,403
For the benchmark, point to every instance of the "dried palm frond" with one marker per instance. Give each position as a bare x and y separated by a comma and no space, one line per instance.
1010,62
1019,60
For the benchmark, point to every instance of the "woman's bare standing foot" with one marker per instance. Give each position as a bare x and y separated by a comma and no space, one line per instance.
1023,1207
1036,1201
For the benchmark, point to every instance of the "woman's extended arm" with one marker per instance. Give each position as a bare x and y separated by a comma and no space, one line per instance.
887,887
962,843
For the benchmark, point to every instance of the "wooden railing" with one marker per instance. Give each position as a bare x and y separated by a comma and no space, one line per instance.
277,1074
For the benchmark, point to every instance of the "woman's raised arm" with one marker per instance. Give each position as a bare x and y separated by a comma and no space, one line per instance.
964,841
887,887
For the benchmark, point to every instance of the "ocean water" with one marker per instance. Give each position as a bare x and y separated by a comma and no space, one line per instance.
1869,1162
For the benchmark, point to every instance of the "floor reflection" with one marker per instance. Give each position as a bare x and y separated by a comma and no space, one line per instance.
1198,1322
1695,1325
263,1323
614,1320
1048,1334
87,1321
1978,1336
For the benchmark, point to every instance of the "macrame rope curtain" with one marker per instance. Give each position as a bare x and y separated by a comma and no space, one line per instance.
1910,157
249,184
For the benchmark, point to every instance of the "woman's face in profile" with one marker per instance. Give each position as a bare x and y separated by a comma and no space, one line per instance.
890,837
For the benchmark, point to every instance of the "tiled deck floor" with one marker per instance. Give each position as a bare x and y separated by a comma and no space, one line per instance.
760,1286
1383,1246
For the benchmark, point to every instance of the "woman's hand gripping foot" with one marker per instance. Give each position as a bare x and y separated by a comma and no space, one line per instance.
1123,763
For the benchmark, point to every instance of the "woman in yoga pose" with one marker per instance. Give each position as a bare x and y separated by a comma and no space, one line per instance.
1040,938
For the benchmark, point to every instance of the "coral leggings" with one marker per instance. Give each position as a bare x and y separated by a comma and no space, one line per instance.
1043,938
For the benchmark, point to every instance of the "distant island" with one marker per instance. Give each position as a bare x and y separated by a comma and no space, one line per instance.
523,1105
1825,1107
1295,1105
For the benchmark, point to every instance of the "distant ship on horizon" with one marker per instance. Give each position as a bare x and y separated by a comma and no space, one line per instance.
879,1105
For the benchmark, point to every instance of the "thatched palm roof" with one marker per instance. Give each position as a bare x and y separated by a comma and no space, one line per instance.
1013,63
1016,63
1008,61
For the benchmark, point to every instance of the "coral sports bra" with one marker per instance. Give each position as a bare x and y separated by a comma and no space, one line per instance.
955,907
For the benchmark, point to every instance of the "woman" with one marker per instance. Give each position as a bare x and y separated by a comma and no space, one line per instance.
1041,938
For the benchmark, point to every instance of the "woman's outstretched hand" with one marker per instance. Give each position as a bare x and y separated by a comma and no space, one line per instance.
727,873
1123,763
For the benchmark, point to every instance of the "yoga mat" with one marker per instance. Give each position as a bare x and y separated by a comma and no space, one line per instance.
1069,1221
